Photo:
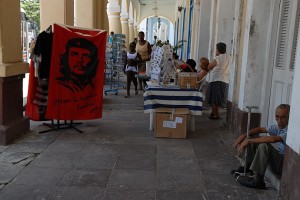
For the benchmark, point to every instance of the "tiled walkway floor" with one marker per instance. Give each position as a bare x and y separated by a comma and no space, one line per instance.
117,158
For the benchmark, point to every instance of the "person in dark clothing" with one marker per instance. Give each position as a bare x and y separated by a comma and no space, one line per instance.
130,69
190,66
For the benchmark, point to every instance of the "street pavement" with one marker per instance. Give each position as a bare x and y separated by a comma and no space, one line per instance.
117,157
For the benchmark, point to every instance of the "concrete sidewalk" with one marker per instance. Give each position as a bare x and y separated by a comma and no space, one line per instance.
117,158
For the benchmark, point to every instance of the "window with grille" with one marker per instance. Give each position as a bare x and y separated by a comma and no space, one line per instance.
295,39
283,34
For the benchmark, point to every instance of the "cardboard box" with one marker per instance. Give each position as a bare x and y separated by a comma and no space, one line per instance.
187,80
171,123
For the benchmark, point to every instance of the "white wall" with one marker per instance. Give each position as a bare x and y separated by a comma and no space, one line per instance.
293,135
255,54
213,29
225,22
204,30
236,51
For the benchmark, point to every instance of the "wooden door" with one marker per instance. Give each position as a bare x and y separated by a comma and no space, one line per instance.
284,65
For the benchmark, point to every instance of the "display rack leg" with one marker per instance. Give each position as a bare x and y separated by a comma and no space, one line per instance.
52,127
74,127
58,126
111,85
151,121
192,123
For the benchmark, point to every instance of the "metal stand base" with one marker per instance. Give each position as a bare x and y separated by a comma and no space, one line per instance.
58,126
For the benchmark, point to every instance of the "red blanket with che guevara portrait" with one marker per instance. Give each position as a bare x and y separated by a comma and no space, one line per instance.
76,73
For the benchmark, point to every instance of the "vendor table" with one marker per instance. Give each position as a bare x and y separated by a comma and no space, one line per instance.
173,98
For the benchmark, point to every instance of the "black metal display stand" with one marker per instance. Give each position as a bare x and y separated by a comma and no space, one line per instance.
58,126
114,62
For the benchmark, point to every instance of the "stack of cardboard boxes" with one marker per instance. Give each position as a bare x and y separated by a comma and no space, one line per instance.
171,122
187,80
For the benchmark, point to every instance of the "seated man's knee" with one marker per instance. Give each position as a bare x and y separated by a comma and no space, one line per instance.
262,146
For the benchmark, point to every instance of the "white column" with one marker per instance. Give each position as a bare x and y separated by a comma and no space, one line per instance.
124,24
135,29
113,11
56,11
213,31
195,33
10,41
13,124
237,51
131,32
85,13
91,14
203,28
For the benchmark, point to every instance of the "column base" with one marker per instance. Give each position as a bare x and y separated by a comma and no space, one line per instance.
237,119
12,122
17,128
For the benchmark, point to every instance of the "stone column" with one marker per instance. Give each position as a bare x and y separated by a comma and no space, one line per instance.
213,32
56,11
102,19
85,13
91,14
203,29
113,11
150,31
12,122
131,32
125,28
195,33
135,29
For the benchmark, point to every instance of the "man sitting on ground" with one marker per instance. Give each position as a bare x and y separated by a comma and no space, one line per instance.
260,150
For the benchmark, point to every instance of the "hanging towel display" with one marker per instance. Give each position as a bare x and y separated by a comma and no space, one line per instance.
36,104
76,73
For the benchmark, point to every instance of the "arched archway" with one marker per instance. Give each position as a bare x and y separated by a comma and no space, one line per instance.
158,26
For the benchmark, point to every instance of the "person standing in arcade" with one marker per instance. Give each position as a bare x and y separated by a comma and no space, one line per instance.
218,80
143,47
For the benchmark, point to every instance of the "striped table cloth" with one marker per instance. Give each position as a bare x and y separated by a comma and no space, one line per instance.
173,98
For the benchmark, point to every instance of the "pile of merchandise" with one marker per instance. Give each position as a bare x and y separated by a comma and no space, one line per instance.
162,67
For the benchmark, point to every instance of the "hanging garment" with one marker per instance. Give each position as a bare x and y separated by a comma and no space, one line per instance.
36,104
43,49
76,73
